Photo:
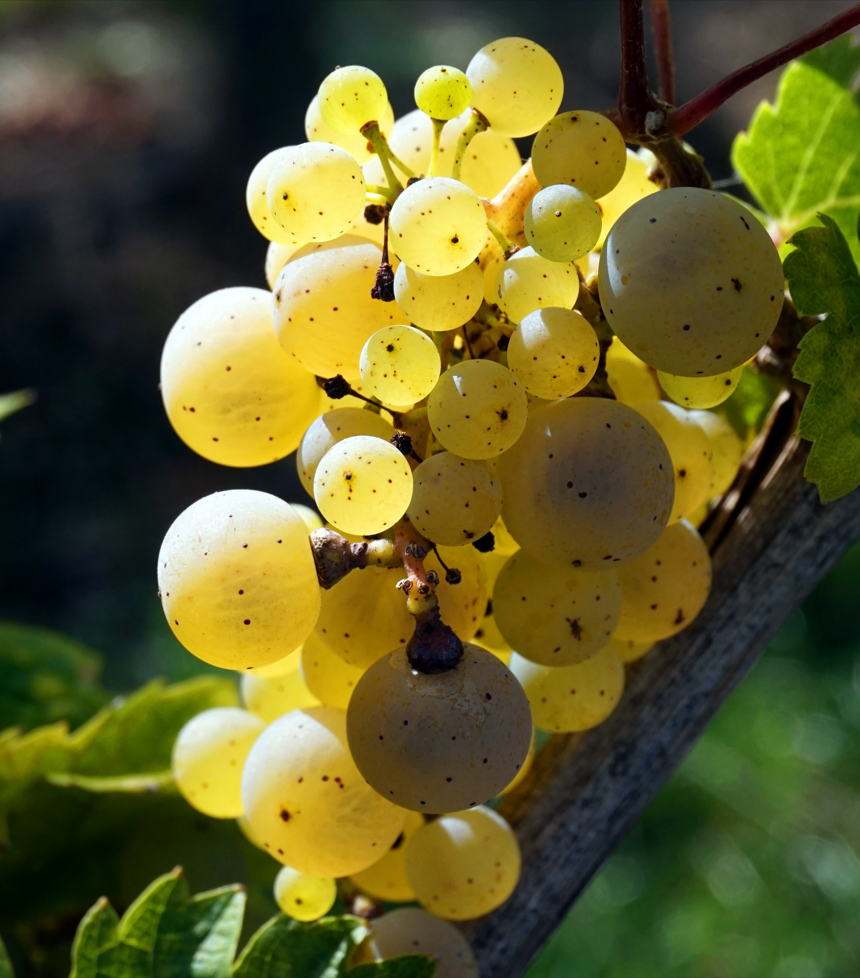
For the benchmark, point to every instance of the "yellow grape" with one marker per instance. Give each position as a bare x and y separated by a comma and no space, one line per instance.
632,187
516,85
690,450
701,392
555,615
727,446
208,756
329,429
245,829
387,879
562,223
363,485
569,699
441,742
277,255
589,484
691,282
327,676
505,543
270,697
490,638
258,205
553,353
628,649
477,410
304,897
465,864
237,579
306,801
583,149
350,97
630,378
524,770
665,588
318,131
526,282
284,665
442,92
230,392
414,931
400,364
495,258
439,302
313,520
454,500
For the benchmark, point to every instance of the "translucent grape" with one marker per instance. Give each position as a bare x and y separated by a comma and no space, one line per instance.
323,311
304,897
465,864
583,149
526,282
400,364
313,520
633,186
387,879
562,223
490,638
589,484
231,394
628,649
328,677
350,97
258,204
701,392
524,770
569,699
727,447
315,191
442,92
442,742
318,130
439,302
208,756
277,255
690,450
665,588
270,697
555,616
454,500
363,485
691,282
516,85
477,410
306,802
237,579
630,378
553,353
505,543
438,226
329,429
281,666
414,931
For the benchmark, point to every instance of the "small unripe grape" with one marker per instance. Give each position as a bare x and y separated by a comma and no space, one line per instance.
387,879
258,205
304,897
329,429
554,353
562,223
328,677
526,282
270,697
439,302
442,92
414,931
400,364
350,97
630,378
727,447
701,392
318,130
582,149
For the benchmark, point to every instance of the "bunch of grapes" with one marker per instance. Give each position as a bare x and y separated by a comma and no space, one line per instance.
494,378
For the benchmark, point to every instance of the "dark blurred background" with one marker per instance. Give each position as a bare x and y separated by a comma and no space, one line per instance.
127,132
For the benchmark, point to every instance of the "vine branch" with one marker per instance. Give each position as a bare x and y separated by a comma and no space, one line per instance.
635,99
662,28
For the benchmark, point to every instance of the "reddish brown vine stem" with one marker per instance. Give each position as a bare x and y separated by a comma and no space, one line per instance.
662,28
635,99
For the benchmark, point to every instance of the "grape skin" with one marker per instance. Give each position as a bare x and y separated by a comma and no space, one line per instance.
439,302
553,353
318,131
630,378
258,205
582,149
526,282
700,392
400,364
270,697
442,92
304,897
727,447
387,879
350,97
628,649
632,187
562,223
414,931
283,665
443,742
328,677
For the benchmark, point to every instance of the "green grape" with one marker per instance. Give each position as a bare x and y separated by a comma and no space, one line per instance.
306,178
400,364
208,756
306,801
282,666
304,897
270,697
570,699
477,410
454,500
414,931
439,302
327,676
516,85
442,92
491,159
329,429
691,282
701,392
237,579
690,450
727,447
465,864
317,130
553,353
666,587
350,97
628,649
589,484
438,226
387,879
526,282
631,380
323,311
230,392
562,223
632,187
258,204
555,616
441,742
277,255
524,770
583,149
363,485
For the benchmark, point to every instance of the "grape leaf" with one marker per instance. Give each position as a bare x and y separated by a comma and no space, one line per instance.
5,963
749,404
285,948
408,966
823,278
802,155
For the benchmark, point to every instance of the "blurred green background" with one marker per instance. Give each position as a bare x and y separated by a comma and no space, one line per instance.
127,131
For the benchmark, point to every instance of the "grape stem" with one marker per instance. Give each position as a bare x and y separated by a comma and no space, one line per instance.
507,208
370,131
662,28
477,123
433,167
588,305
504,244
635,98
357,903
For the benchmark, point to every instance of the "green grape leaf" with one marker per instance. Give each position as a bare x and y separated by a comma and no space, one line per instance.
408,966
823,278
800,156
749,404
285,948
5,963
